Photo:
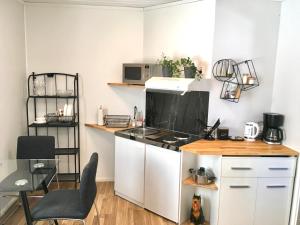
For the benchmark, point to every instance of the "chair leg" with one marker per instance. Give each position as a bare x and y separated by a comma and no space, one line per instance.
98,215
57,181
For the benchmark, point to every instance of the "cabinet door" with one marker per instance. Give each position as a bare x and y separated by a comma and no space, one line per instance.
129,169
273,201
162,182
237,201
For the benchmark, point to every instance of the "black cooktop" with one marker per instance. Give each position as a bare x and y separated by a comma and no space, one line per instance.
162,138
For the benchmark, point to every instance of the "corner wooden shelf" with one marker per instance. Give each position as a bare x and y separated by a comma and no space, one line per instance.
191,182
104,128
125,85
189,223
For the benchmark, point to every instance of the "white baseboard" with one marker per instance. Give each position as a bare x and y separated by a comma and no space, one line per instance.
6,206
104,179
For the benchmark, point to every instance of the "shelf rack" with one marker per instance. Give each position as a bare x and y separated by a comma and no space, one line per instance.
246,68
44,91
236,78
126,85
191,182
223,70
106,129
231,91
189,223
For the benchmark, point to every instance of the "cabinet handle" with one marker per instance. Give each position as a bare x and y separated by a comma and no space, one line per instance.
276,186
278,168
241,168
239,186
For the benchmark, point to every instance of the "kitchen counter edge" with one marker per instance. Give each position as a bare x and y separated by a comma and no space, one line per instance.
237,148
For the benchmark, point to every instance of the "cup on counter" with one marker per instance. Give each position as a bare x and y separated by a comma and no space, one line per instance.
41,119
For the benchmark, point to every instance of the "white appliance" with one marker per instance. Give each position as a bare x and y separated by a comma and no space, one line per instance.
177,84
251,131
130,170
162,182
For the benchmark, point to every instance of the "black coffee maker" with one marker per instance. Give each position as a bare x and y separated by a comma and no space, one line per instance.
272,133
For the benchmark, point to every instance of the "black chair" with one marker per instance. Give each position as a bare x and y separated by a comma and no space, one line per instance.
38,147
70,204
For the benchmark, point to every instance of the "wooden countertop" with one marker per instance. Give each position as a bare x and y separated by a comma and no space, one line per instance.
104,128
237,148
225,148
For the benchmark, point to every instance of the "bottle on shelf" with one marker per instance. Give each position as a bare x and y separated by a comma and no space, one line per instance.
100,116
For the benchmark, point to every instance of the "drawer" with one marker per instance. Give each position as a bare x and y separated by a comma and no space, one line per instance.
240,166
277,167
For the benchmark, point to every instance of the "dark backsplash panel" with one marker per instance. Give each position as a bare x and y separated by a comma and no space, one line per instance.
171,111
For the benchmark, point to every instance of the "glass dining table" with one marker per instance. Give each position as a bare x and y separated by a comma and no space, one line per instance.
25,175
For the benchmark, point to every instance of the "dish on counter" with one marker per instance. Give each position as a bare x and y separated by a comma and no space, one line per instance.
38,165
39,122
21,182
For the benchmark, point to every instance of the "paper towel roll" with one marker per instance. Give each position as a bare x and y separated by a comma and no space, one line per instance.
100,116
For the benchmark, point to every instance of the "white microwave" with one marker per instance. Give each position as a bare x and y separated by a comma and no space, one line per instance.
139,73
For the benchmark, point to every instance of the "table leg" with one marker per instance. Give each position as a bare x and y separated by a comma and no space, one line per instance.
25,204
45,188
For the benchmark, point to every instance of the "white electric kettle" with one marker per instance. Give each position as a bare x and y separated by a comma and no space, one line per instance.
251,131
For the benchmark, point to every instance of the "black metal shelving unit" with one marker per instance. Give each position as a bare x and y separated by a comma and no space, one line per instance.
47,93
232,75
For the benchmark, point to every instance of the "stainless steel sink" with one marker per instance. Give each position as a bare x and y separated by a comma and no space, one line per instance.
140,131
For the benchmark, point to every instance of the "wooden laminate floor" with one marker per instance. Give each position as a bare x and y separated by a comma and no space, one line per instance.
113,211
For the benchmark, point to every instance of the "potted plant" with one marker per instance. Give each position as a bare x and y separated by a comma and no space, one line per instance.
170,68
190,69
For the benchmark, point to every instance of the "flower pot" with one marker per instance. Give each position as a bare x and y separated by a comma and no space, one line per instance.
190,72
166,71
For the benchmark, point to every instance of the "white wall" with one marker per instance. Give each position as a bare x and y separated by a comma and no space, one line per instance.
246,29
236,29
180,30
94,42
286,86
12,73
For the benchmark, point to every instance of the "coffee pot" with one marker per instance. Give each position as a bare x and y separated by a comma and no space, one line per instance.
251,131
272,133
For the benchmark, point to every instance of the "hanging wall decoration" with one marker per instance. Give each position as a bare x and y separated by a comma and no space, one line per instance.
236,78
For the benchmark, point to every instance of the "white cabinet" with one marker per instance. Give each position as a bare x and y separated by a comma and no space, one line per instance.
256,190
148,176
237,201
129,169
162,182
273,201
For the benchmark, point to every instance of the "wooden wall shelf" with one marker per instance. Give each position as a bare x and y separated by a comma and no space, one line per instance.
104,128
189,223
191,182
125,85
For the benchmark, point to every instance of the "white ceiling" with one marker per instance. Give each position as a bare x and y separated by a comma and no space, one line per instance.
122,3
